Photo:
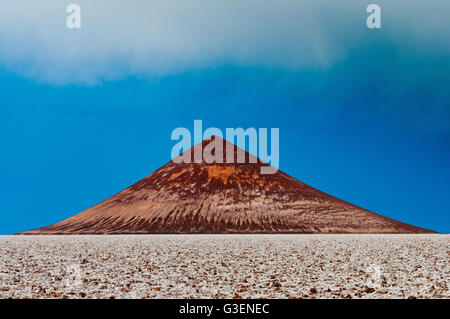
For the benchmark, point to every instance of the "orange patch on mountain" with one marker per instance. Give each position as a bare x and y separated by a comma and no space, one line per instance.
222,172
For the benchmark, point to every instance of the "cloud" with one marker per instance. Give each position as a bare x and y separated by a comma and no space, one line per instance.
160,37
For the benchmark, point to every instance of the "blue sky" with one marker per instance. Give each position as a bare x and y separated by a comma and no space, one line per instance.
363,114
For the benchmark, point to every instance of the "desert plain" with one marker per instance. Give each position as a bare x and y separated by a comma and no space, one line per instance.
225,266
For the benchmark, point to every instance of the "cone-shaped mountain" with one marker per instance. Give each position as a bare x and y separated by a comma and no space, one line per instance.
223,198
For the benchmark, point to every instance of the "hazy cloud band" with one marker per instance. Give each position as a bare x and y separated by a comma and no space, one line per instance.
159,37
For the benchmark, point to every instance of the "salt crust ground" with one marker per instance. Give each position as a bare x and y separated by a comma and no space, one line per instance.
225,266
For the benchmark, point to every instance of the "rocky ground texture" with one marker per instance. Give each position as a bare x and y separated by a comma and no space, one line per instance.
225,266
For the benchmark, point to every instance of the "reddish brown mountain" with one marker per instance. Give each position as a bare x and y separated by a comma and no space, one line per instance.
223,198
